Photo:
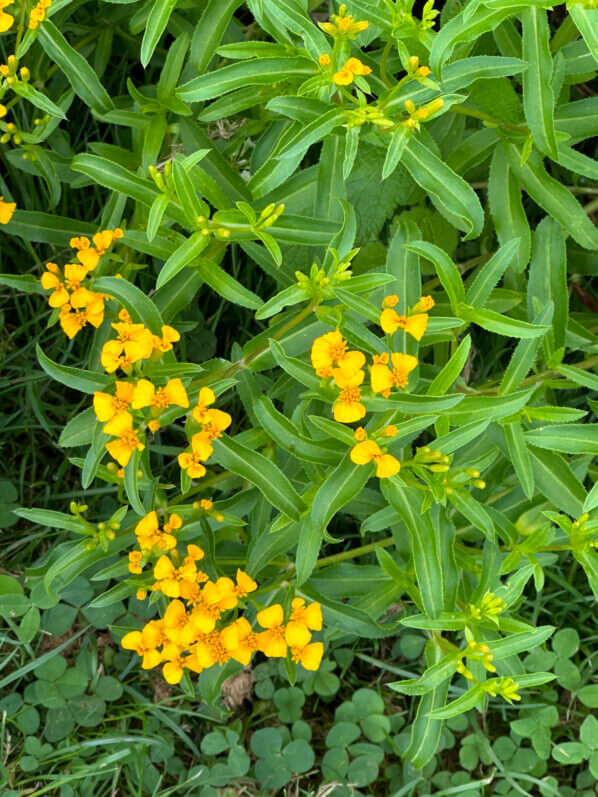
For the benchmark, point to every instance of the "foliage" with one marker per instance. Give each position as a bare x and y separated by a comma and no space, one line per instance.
319,316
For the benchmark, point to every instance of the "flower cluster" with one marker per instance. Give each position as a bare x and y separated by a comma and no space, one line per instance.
332,359
135,342
343,24
213,422
190,634
346,74
38,14
78,304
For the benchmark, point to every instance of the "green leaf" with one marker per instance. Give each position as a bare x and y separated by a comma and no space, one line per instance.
399,139
155,27
75,68
260,72
453,441
134,300
79,429
38,99
538,95
586,22
525,354
344,483
490,273
447,271
346,617
500,324
459,706
23,283
156,214
557,482
451,195
260,472
552,196
451,370
288,435
506,208
517,643
183,256
467,505
424,543
132,486
210,30
579,376
315,131
53,520
516,443
226,286
412,404
571,438
75,378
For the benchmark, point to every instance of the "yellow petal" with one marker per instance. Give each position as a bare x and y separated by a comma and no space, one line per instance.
271,617
389,321
143,394
348,413
311,655
404,362
163,568
119,424
297,634
88,257
173,672
416,325
313,617
176,393
364,452
120,452
131,641
387,466
151,659
103,405
381,378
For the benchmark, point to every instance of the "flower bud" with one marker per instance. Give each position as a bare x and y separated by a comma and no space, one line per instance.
473,473
480,484
413,63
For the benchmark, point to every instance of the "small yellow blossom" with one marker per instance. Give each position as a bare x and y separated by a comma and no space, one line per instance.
145,644
369,451
383,378
324,60
6,208
121,427
146,395
348,407
309,655
106,406
345,75
329,351
272,642
6,21
344,25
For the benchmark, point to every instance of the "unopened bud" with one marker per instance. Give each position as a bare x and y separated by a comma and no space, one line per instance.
480,484
439,468
413,63
473,473
223,232
25,74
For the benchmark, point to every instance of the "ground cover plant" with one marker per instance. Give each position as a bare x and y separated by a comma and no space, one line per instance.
298,491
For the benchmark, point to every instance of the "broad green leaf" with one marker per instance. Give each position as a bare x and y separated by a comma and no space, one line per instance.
131,485
399,139
586,22
210,30
538,96
470,508
477,408
156,214
79,429
268,546
459,706
75,68
75,378
548,278
291,295
451,195
313,132
517,643
187,195
412,404
38,99
46,228
260,472
299,370
308,548
23,283
453,441
579,376
296,20
53,520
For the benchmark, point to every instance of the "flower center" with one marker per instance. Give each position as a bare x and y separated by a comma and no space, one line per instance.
120,404
399,378
337,351
211,431
130,440
350,395
160,399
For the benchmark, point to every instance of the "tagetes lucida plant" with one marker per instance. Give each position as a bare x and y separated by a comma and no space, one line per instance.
384,214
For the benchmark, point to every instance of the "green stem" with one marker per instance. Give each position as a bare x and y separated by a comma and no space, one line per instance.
486,117
383,61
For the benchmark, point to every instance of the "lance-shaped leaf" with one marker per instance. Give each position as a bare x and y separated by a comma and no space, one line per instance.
447,271
344,483
490,273
260,72
75,378
557,482
551,195
506,208
75,68
498,323
225,285
348,618
424,543
210,30
451,370
525,353
570,438
516,443
470,508
155,27
186,254
315,131
260,472
451,195
586,22
538,95
136,302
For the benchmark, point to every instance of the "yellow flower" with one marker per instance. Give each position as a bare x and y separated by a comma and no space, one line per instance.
6,21
329,351
121,427
6,208
169,578
74,274
324,60
344,25
414,325
309,656
368,451
106,406
383,379
201,450
175,620
113,358
272,642
173,668
135,339
211,650
240,639
144,643
308,616
169,336
135,562
221,593
214,421
51,281
346,74
146,395
147,531
425,304
245,584
3,110
72,321
348,407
